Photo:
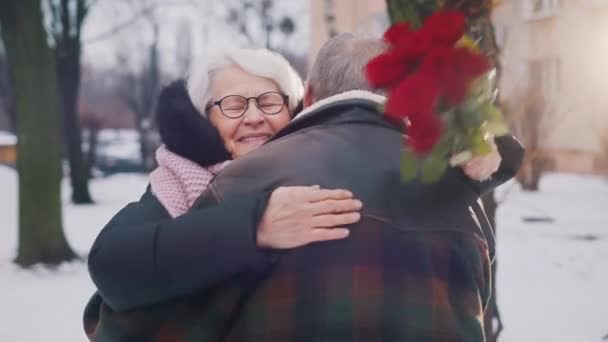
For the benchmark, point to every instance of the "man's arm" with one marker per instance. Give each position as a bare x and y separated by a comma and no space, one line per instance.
143,256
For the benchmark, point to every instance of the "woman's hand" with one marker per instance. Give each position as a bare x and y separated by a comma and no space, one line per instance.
298,215
481,168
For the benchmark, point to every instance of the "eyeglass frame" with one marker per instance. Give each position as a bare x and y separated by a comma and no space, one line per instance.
247,99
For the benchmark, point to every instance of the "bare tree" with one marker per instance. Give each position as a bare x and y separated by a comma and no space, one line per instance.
68,17
240,13
6,95
37,104
183,50
139,90
533,117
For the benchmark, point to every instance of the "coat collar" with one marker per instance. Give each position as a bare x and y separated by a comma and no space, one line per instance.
347,96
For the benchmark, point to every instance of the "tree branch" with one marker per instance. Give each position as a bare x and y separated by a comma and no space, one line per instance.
65,20
81,12
143,12
55,21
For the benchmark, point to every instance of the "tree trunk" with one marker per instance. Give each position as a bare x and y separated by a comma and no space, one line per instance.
68,53
93,140
68,72
480,27
33,73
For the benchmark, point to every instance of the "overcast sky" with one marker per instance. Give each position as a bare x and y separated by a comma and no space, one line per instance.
210,31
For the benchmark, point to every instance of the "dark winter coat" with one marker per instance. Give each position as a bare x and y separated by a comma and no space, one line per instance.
415,268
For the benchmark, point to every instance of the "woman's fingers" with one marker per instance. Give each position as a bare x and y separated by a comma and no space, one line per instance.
335,206
312,194
335,220
317,235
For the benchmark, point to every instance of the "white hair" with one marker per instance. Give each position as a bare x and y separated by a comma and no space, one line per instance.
258,62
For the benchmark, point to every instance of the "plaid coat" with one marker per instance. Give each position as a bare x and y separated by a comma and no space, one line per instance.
382,284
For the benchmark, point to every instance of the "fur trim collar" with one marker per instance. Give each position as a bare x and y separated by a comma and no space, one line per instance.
345,96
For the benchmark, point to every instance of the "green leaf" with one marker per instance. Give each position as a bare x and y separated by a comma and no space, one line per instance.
433,167
491,112
495,122
481,148
461,158
480,142
470,117
409,166
497,128
403,11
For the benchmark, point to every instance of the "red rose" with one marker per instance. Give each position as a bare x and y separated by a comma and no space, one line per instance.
472,64
394,33
414,97
466,66
455,68
386,70
424,134
445,28
436,61
413,45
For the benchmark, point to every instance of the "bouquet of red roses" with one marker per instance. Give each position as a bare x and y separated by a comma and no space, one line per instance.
440,86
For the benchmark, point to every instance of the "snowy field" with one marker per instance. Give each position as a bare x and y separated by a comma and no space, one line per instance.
552,278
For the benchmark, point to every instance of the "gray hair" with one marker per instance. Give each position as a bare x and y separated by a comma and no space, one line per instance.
258,62
340,65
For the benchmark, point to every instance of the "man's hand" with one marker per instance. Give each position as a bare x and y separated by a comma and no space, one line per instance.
482,167
296,216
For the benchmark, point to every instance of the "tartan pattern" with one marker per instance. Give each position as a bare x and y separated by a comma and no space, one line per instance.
381,284
200,317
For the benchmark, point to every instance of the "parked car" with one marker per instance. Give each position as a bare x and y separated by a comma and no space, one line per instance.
118,151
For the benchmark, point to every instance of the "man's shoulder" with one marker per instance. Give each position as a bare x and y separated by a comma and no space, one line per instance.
355,105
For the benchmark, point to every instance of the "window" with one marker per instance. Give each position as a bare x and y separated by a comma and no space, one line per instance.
539,9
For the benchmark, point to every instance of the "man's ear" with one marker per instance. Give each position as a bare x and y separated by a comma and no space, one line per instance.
309,98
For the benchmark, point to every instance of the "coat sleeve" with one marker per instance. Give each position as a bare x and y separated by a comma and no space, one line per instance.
512,153
143,256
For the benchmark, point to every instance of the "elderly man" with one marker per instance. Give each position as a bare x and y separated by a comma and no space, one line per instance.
415,268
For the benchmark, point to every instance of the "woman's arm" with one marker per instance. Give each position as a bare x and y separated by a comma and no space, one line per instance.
143,256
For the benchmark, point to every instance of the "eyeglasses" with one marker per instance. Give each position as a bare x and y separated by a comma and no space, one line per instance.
234,106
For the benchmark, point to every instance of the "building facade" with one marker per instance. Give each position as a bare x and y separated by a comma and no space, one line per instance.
555,48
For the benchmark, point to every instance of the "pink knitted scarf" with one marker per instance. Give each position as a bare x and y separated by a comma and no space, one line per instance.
177,182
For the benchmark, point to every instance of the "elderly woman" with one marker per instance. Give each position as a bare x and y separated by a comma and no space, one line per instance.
155,251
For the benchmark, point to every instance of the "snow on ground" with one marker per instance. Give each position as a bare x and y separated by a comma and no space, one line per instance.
552,278
44,305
